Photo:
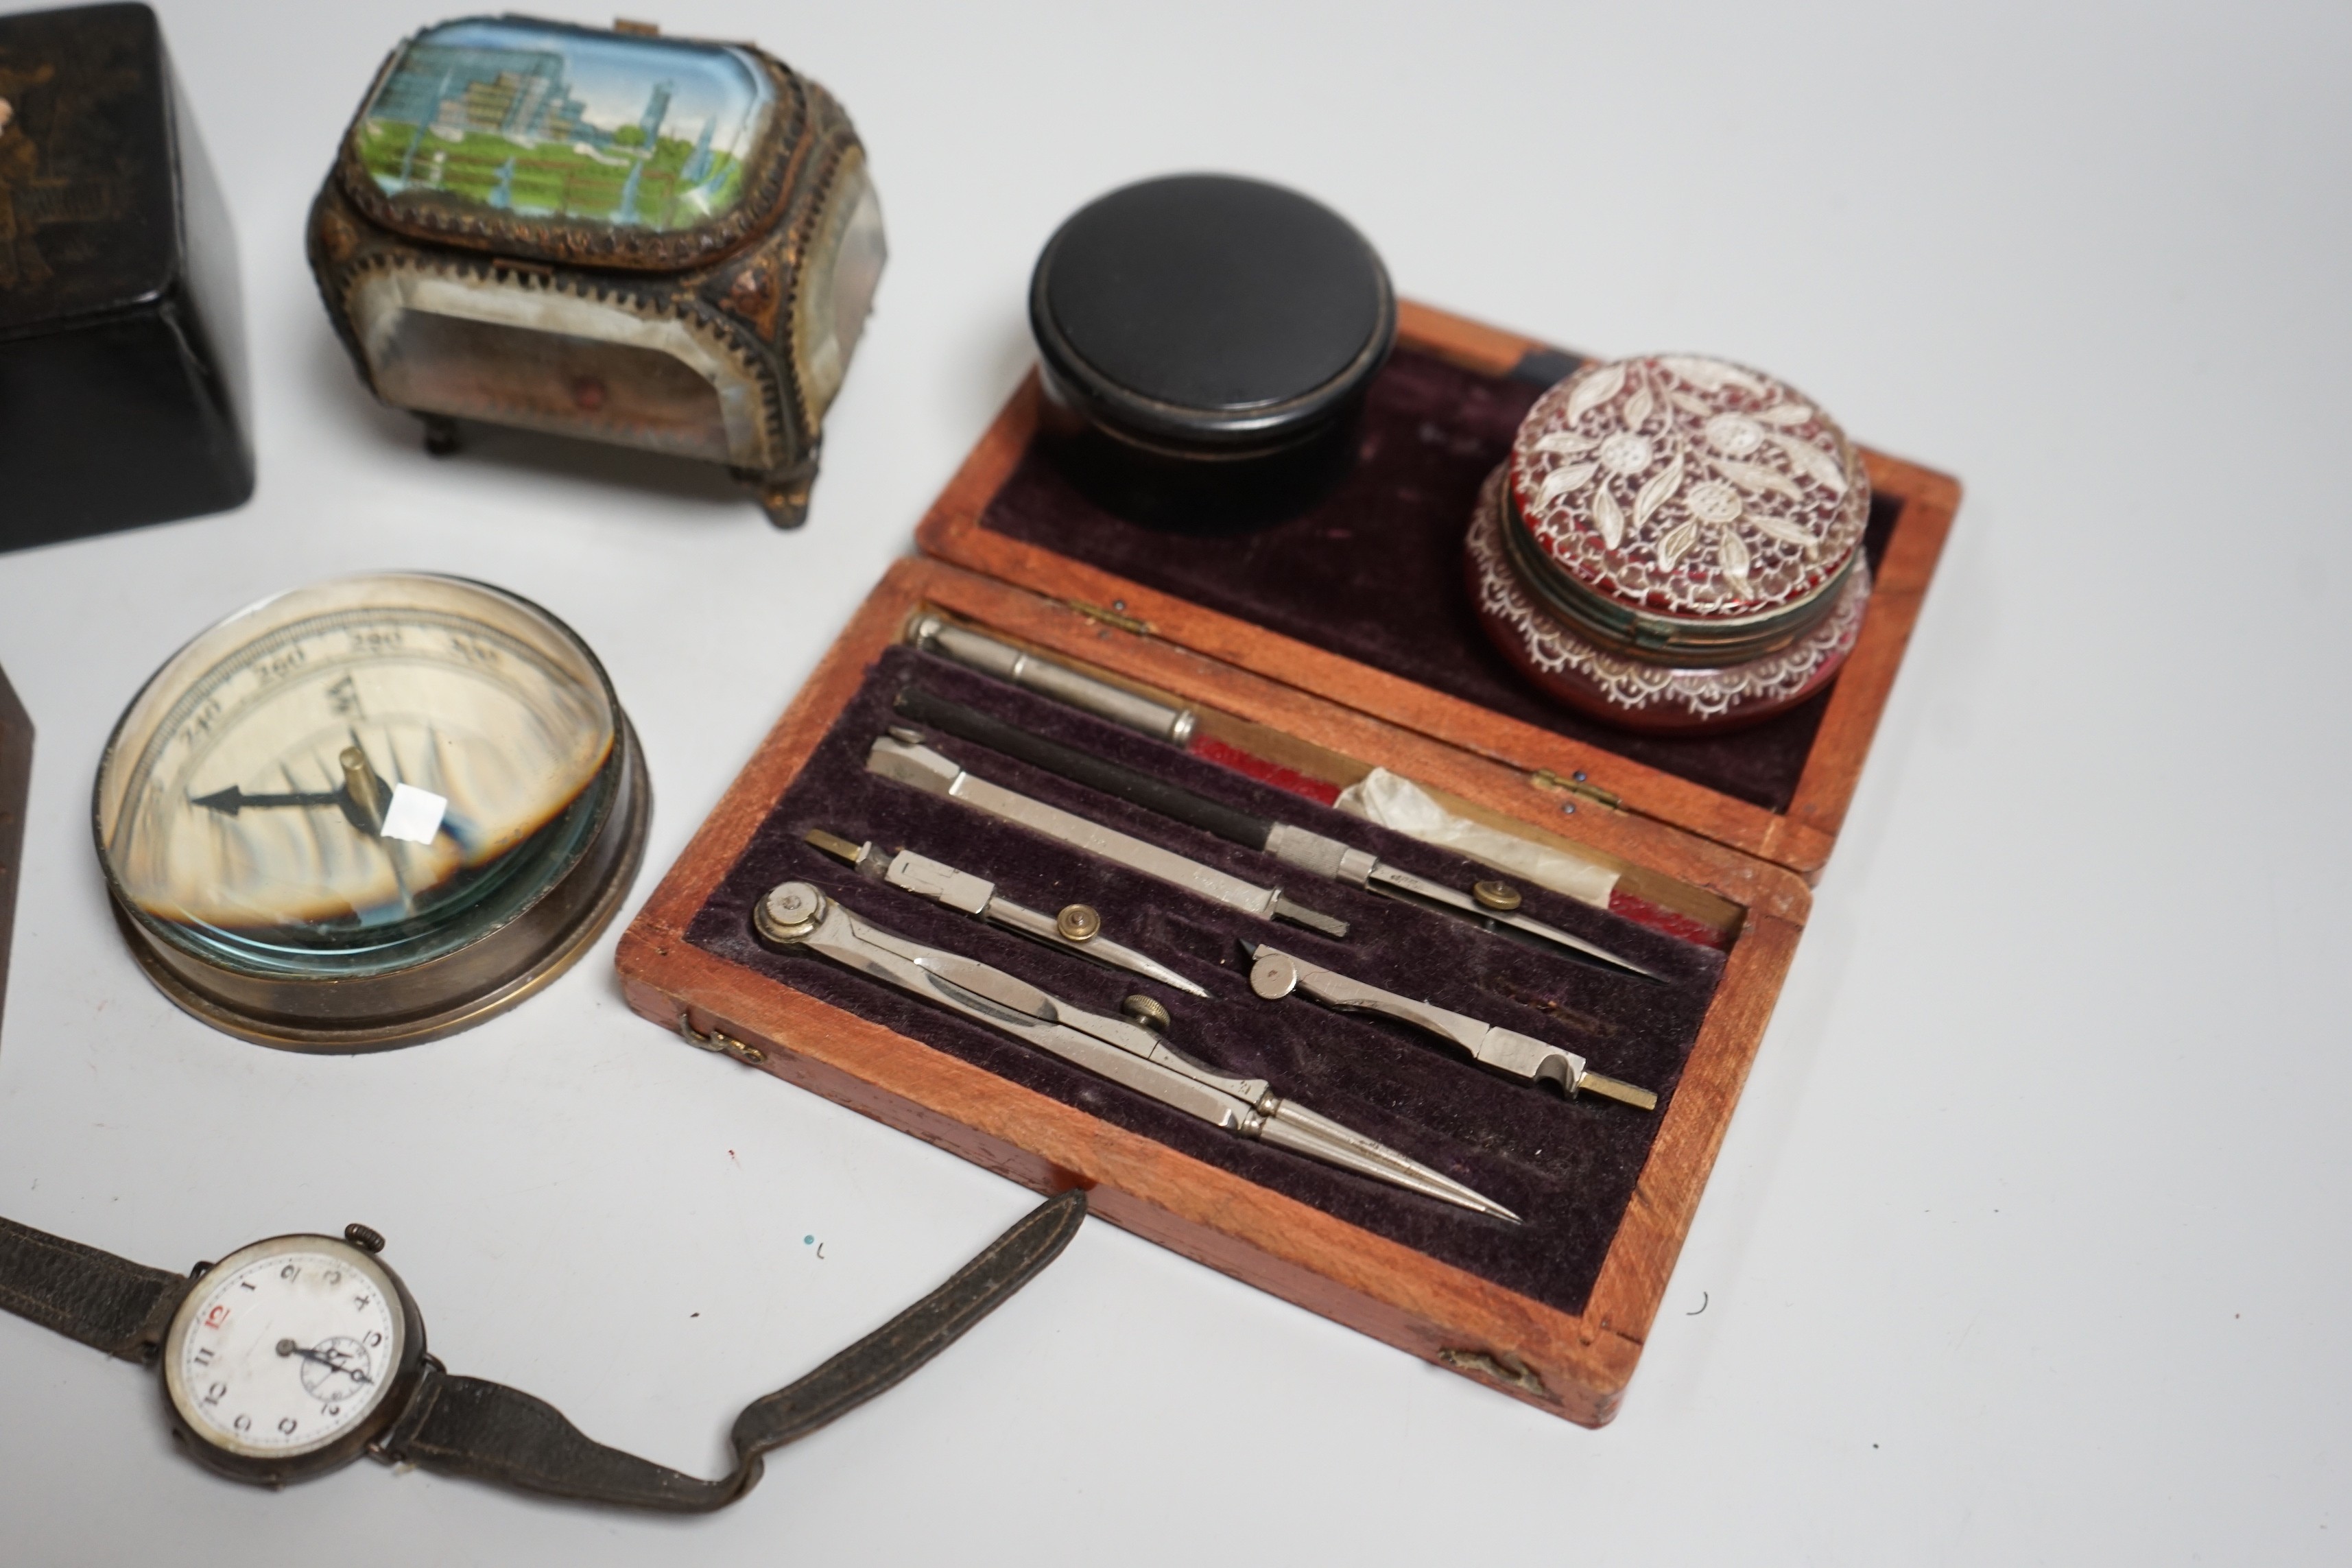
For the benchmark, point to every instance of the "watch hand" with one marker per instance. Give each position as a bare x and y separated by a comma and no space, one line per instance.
334,1360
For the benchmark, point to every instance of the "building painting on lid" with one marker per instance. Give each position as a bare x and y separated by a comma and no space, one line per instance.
552,122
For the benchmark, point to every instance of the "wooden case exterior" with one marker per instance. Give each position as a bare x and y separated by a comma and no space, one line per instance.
1572,1366
1799,837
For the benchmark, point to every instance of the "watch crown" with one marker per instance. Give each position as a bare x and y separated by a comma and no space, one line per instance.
365,1237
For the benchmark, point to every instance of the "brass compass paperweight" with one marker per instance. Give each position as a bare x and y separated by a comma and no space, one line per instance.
369,812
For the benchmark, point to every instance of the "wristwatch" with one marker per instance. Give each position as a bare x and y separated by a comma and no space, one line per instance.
295,1355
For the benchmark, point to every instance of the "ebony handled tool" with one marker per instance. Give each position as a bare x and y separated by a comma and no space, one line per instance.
1494,902
901,755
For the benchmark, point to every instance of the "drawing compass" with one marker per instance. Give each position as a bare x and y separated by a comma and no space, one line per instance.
368,812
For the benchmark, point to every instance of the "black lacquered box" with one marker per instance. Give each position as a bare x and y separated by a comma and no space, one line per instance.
122,396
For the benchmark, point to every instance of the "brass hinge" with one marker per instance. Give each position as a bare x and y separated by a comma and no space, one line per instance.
1576,783
719,1040
1506,1369
1114,617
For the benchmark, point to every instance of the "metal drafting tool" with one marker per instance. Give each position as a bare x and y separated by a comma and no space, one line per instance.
1075,928
901,755
1275,974
1048,678
1129,1050
1491,900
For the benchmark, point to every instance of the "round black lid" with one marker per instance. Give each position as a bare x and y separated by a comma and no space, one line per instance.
1205,310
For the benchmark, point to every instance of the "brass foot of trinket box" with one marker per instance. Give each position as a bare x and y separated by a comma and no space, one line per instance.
656,242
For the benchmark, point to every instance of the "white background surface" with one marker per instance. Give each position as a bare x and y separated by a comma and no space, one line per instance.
2028,1241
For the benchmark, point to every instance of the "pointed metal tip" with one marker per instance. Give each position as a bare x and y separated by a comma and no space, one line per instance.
1618,1090
1592,952
1471,1198
228,801
1299,914
832,844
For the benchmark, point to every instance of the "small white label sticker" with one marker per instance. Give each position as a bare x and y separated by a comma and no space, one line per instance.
415,815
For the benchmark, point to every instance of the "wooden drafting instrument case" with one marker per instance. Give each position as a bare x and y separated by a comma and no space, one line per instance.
1311,653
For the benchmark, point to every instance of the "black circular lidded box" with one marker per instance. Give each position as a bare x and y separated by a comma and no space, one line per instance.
1205,342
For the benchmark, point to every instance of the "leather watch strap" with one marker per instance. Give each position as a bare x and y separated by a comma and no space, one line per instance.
111,1303
466,1425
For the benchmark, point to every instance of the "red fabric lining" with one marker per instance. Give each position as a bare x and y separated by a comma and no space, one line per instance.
1259,768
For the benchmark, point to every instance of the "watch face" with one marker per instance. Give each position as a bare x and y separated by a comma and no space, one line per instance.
356,779
289,1348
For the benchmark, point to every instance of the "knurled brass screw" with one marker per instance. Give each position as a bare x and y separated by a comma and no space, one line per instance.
1143,1010
1496,895
1078,922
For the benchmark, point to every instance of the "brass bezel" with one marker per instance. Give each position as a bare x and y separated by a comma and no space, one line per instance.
443,996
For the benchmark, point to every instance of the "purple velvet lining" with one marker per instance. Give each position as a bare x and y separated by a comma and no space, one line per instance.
1569,1166
1374,571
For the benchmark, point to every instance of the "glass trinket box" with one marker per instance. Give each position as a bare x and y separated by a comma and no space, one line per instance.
658,243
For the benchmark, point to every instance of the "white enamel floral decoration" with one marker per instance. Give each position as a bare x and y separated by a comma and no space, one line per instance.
1689,486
